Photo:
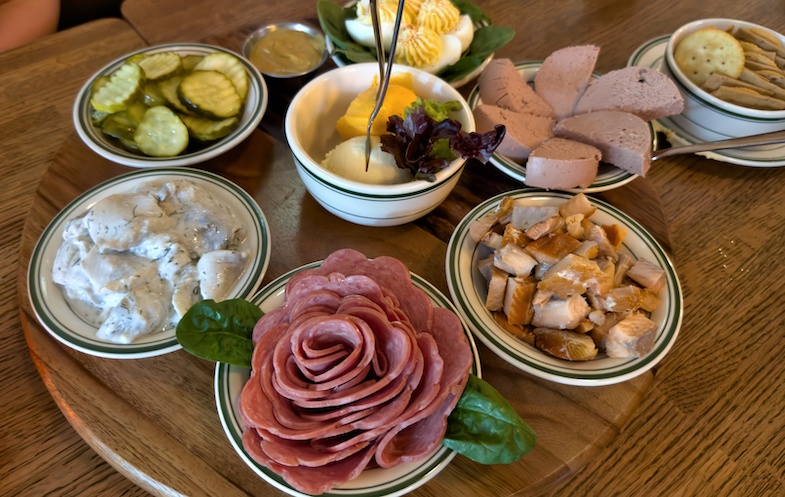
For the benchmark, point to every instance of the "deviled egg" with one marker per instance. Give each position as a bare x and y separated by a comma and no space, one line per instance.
433,33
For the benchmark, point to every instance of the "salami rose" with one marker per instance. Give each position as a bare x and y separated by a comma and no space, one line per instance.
356,369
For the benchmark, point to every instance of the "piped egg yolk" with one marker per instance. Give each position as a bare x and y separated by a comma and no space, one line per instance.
361,27
433,33
418,46
439,15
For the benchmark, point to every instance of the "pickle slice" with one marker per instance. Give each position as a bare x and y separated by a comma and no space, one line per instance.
210,94
119,125
230,66
203,129
168,88
161,65
161,133
190,61
120,90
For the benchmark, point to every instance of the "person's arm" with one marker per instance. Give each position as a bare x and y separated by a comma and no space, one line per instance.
22,21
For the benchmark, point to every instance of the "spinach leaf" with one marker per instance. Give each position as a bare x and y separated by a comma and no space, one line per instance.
489,39
485,428
220,331
471,10
332,19
356,56
460,69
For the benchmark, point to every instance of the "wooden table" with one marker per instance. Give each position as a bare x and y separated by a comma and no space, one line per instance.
707,421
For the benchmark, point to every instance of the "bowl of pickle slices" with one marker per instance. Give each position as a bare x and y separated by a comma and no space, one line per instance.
170,105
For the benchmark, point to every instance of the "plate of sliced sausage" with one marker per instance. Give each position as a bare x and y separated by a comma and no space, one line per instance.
380,432
569,127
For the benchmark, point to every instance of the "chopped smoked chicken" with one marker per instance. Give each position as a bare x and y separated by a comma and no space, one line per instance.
633,336
514,235
514,260
497,287
579,204
559,313
523,333
545,227
566,345
563,283
615,234
647,274
481,226
552,248
519,300
573,275
525,216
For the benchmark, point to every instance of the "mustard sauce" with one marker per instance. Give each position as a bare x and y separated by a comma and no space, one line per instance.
287,51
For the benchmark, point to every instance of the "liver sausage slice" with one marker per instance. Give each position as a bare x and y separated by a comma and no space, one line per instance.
502,85
562,163
564,76
623,138
524,131
642,91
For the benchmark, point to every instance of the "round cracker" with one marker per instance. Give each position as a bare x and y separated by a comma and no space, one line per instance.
709,50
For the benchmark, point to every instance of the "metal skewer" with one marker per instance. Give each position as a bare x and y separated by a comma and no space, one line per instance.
384,73
745,141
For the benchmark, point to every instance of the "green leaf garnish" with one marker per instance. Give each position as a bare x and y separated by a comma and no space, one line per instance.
220,331
485,428
438,111
489,39
471,10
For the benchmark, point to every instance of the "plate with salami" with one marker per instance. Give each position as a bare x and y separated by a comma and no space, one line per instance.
230,381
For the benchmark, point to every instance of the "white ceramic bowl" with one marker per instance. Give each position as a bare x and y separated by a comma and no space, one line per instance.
468,289
52,308
311,133
706,116
105,146
258,34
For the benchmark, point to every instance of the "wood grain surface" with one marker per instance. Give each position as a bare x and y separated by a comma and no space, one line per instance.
707,421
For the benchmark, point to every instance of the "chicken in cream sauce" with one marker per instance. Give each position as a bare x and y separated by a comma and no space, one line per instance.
136,262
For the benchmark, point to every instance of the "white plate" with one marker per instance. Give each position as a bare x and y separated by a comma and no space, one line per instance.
652,54
468,290
608,177
62,323
253,111
377,482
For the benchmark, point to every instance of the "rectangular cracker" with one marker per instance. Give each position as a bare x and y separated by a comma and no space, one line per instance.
756,79
759,58
753,48
776,77
748,98
761,39
716,80
757,66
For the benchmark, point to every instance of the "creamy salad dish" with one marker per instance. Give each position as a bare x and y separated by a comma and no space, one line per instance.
135,262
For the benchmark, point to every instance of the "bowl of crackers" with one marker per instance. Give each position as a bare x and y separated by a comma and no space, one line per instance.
731,74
